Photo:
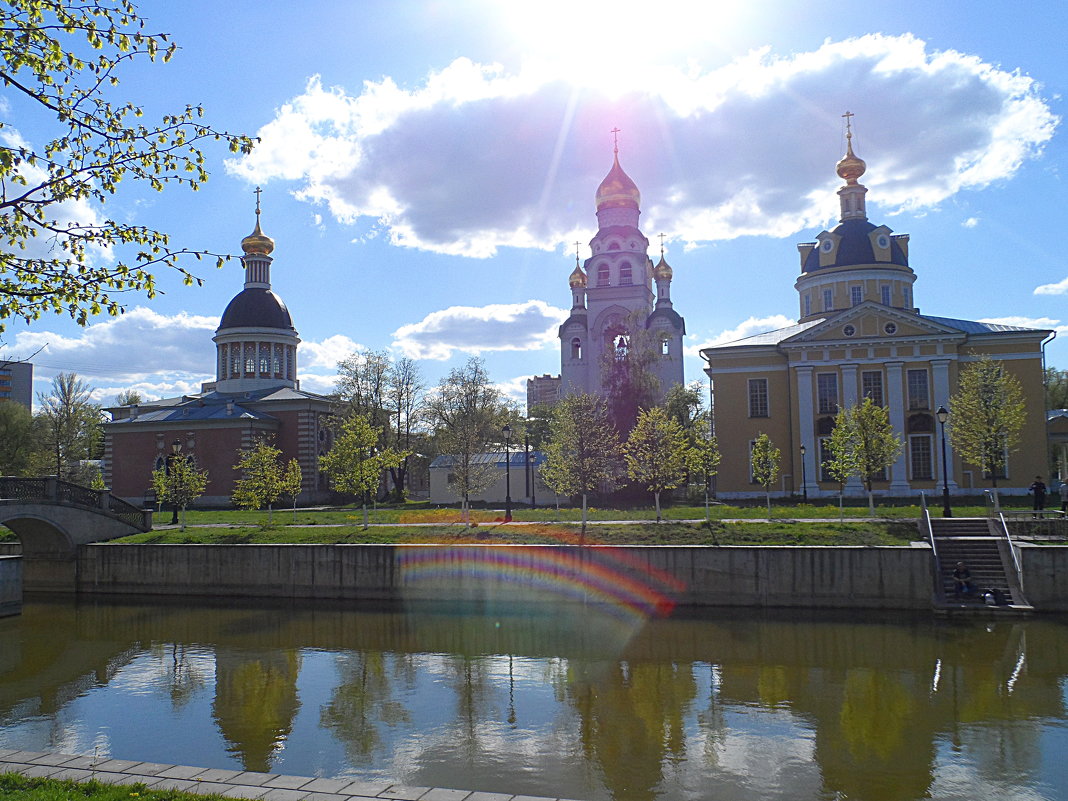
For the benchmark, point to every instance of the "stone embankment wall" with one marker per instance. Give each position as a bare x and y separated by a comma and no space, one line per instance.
10,585
1045,576
631,577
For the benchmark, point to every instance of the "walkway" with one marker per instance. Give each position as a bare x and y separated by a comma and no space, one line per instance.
229,783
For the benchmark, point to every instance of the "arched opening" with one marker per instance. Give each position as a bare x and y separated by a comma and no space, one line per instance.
576,348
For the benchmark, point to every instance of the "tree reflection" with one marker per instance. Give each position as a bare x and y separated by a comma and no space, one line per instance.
364,698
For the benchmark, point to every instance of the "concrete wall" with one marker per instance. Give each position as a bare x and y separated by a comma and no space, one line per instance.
634,578
10,585
1045,573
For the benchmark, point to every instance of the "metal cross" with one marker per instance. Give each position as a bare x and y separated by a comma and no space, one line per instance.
577,245
257,191
661,244
615,140
849,130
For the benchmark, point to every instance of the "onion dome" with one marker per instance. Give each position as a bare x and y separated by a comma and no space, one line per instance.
257,243
851,167
663,270
256,308
617,189
578,278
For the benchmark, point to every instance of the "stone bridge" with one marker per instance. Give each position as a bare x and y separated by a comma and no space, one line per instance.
52,518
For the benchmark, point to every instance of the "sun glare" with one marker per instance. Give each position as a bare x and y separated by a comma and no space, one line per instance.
616,45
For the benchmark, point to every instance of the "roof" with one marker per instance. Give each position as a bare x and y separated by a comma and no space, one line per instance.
515,458
979,327
255,307
770,337
855,248
213,406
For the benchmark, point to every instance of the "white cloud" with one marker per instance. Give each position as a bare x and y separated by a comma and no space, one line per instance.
1028,322
515,389
1059,288
326,353
475,329
475,159
751,327
971,222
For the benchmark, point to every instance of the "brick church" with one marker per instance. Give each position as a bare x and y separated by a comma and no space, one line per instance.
255,395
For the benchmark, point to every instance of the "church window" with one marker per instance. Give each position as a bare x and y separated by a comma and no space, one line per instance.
604,276
920,424
856,295
849,330
920,462
613,246
250,365
576,348
665,345
290,358
884,291
828,300
265,359
808,304
277,366
827,393
919,393
235,363
907,292
871,382
890,328
758,397
625,278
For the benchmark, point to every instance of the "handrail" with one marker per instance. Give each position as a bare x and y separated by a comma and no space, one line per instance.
937,561
1012,550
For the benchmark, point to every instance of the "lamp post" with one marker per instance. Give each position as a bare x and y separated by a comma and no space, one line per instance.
176,450
804,478
507,474
943,414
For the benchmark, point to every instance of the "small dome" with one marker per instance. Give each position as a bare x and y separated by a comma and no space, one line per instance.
850,167
256,308
578,278
662,270
617,189
257,243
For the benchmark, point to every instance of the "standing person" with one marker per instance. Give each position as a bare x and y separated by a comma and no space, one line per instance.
1064,497
1038,489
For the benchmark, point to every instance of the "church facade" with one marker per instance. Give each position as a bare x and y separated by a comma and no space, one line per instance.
612,296
255,396
860,334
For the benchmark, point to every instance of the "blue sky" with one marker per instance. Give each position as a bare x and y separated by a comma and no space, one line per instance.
427,165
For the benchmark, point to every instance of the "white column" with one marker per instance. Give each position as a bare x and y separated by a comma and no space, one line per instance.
895,396
940,370
808,440
854,486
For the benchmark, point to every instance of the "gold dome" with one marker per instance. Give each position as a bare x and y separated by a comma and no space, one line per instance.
850,168
578,278
257,243
663,270
617,189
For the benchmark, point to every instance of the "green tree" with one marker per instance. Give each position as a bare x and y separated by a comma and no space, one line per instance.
181,484
260,483
657,453
292,482
468,413
129,397
704,461
987,413
20,441
685,403
863,444
1056,388
62,61
354,463
536,426
765,458
70,423
583,453
627,375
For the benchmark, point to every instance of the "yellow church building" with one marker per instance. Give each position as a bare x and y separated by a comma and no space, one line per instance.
860,334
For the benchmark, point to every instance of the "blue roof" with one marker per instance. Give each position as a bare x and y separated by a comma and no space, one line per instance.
977,327
515,458
854,248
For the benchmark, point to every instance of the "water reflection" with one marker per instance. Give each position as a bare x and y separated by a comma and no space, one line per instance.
555,702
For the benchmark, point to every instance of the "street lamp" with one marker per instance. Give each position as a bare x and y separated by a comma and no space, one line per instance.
176,450
804,479
507,475
942,414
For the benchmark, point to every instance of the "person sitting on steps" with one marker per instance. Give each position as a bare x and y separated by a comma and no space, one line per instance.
962,577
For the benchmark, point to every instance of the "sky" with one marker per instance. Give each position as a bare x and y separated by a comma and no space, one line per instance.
427,167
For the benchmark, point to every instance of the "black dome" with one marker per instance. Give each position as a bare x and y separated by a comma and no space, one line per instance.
854,248
256,308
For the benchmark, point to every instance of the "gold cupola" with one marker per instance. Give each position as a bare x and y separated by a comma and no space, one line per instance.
663,270
578,278
257,243
850,167
617,189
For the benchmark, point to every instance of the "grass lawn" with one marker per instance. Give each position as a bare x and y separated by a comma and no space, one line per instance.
14,787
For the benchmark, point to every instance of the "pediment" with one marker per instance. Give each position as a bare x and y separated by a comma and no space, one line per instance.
872,321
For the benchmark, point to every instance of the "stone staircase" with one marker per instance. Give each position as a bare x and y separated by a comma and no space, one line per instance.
970,540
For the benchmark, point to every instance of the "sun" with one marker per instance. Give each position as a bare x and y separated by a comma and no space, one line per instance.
616,45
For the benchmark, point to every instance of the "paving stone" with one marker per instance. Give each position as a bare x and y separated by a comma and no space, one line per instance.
119,778
67,774
217,775
532,798
285,782
38,771
441,794
181,772
81,762
327,797
54,759
148,768
116,765
175,784
207,788
253,778
404,793
283,794
245,791
7,751
25,756
326,785
489,797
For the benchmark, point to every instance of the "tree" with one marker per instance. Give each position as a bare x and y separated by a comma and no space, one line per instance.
58,248
467,413
536,426
704,460
405,391
292,481
129,397
20,440
685,404
1056,388
627,375
70,422
583,451
657,453
181,484
863,444
261,478
765,458
987,413
354,463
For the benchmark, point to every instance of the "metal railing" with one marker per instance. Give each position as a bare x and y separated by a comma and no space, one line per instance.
66,493
936,562
996,517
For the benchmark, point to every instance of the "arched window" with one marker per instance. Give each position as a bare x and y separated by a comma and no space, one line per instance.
625,276
265,359
604,276
665,345
576,348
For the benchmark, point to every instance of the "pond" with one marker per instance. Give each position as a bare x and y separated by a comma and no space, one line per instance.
562,701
